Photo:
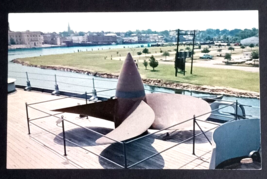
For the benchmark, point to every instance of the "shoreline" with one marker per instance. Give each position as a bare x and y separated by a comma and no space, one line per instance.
156,82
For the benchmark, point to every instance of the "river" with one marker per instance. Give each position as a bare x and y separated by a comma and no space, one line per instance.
79,83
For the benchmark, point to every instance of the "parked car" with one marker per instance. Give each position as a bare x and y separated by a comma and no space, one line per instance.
237,44
253,62
206,56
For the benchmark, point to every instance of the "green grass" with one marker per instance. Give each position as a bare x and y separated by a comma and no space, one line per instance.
206,76
94,61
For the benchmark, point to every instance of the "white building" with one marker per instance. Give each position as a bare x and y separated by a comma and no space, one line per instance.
250,40
27,38
130,39
76,39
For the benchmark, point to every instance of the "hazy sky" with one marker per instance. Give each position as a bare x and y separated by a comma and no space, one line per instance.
124,21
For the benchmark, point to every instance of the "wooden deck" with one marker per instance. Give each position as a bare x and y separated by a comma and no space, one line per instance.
41,149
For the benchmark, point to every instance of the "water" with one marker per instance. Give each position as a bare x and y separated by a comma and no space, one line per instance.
22,53
79,83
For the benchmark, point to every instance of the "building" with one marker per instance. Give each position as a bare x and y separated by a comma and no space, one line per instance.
156,38
27,38
143,38
76,39
101,38
132,39
250,40
52,38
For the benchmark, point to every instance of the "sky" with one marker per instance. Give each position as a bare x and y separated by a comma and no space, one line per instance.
124,21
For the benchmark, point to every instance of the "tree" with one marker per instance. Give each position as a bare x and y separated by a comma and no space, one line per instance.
219,50
205,50
251,46
128,33
139,53
81,33
231,48
145,64
153,62
145,51
166,53
227,57
255,55
187,48
242,47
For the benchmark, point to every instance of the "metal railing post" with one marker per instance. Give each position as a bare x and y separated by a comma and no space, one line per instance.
236,108
125,155
194,133
28,87
94,93
28,121
56,92
86,101
64,141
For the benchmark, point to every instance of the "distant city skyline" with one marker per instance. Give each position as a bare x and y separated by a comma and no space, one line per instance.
125,21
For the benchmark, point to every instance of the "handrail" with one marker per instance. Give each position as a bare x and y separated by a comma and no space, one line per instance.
45,116
169,148
89,77
68,97
79,146
139,138
76,124
171,126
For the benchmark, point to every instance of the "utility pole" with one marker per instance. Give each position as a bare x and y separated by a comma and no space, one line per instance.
192,57
177,49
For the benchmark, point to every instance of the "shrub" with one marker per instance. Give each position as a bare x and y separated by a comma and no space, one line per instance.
187,48
255,55
145,51
205,50
153,62
231,48
227,56
166,54
145,63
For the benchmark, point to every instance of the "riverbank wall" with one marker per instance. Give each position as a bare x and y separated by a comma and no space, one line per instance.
156,82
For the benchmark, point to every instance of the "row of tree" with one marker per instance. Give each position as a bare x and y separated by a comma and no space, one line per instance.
234,35
226,35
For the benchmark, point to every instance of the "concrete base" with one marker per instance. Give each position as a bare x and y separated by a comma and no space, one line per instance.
11,85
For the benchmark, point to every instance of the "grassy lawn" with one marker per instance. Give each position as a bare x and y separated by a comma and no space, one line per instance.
95,61
206,76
